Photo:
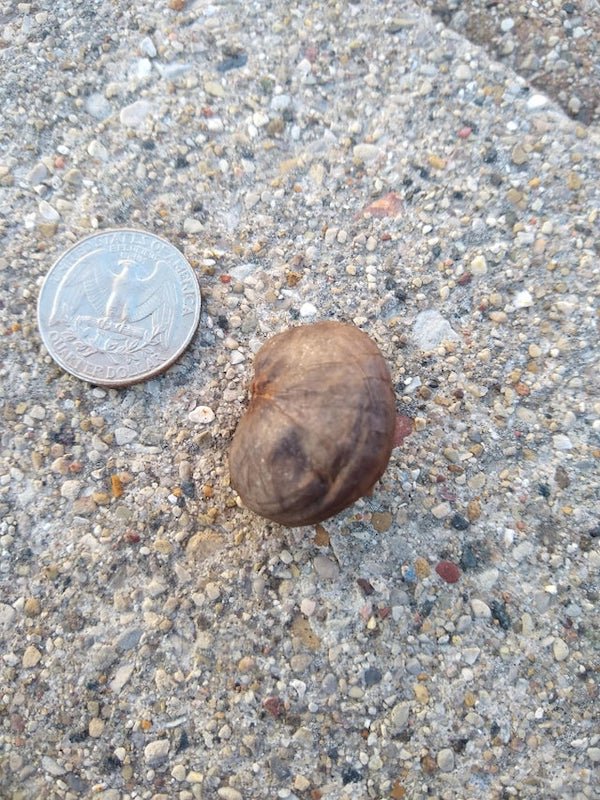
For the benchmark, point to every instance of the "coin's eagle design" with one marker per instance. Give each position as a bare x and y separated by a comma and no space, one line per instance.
118,307
137,301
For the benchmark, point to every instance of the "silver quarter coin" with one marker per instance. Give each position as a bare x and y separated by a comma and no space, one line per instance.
118,307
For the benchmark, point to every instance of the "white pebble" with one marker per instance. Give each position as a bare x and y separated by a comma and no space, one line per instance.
134,115
478,265
537,101
280,102
227,793
7,614
37,412
308,310
594,753
366,152
121,677
507,24
523,299
471,654
178,772
38,174
202,415
70,489
47,212
308,606
147,47
173,70
480,609
97,150
97,106
191,225
125,435
157,751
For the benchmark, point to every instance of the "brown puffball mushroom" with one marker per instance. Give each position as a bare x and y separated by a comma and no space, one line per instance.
318,432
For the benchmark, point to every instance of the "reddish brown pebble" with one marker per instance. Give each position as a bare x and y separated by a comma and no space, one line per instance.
387,206
321,536
465,132
448,571
404,428
365,586
274,705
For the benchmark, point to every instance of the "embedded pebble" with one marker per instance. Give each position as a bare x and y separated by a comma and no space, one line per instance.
326,568
201,415
366,152
228,793
562,442
135,114
442,510
448,571
560,650
430,329
7,614
48,214
480,609
97,150
31,657
478,265
537,101
37,174
125,435
156,752
445,759
98,106
308,310
523,299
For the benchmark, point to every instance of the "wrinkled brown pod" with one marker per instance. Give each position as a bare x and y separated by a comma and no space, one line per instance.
318,432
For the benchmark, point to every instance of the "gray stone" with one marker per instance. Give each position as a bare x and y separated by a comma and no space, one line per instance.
147,47
156,752
430,329
122,675
7,614
399,716
52,767
325,567
128,640
445,759
97,150
37,175
125,435
366,152
135,114
98,106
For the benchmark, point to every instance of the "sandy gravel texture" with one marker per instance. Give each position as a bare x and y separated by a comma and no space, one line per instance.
554,44
351,161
